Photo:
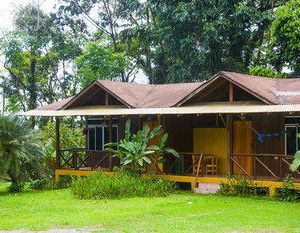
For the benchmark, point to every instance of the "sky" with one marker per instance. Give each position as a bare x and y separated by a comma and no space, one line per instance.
8,8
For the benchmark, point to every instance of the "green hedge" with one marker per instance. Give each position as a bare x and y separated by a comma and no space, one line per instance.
241,186
120,185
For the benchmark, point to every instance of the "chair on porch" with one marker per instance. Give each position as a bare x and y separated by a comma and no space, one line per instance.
209,164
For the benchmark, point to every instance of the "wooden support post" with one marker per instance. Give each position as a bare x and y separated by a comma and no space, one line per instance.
57,142
106,99
229,143
110,140
230,92
229,131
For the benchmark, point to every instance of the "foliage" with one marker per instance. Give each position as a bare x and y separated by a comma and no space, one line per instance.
48,182
21,156
120,185
296,162
100,62
38,54
265,72
285,43
288,191
180,41
69,138
134,150
42,183
241,186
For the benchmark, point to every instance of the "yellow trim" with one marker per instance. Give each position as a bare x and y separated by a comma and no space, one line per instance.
272,185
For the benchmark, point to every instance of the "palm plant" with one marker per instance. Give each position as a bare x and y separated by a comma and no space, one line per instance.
21,156
134,150
296,162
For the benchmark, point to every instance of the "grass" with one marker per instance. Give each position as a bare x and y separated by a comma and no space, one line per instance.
184,212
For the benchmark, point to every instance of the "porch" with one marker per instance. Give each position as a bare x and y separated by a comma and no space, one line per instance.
83,162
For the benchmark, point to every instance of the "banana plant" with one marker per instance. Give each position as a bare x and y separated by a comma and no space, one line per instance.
296,162
134,150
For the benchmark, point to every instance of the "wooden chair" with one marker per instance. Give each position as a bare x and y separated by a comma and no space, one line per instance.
210,165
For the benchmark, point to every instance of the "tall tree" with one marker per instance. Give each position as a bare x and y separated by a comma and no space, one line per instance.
39,54
103,15
25,49
285,38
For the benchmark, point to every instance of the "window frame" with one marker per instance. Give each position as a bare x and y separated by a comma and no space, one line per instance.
297,126
101,125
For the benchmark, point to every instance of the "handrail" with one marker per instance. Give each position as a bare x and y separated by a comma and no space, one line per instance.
282,158
264,155
82,157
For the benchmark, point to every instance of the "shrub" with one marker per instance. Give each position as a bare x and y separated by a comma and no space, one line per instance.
120,185
135,151
241,186
16,187
41,184
21,156
65,181
288,192
48,182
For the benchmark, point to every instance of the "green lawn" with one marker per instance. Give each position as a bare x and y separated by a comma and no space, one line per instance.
185,212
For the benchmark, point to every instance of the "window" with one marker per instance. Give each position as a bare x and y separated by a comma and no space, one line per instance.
98,133
292,130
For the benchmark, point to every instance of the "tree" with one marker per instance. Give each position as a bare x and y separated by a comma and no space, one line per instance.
265,72
103,15
285,34
39,54
100,62
21,156
24,51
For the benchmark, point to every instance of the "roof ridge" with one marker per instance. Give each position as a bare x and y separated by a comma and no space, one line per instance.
258,76
147,84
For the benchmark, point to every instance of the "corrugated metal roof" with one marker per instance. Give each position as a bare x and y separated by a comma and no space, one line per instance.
204,108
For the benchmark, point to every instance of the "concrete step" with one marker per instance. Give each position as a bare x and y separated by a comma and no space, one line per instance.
207,188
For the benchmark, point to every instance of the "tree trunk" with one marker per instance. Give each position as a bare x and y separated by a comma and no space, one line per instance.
32,89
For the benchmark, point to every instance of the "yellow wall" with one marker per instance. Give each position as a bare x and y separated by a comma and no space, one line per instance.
212,141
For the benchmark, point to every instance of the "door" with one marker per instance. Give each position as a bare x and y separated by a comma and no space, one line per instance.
242,144
158,167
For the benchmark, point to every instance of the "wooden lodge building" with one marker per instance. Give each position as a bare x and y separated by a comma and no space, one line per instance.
232,124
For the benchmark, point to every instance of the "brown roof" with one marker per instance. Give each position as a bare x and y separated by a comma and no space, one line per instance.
150,95
269,90
274,90
56,105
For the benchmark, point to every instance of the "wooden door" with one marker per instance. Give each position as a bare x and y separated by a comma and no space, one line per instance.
158,167
242,137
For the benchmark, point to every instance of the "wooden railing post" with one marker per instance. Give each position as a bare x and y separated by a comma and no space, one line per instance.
110,140
74,160
57,142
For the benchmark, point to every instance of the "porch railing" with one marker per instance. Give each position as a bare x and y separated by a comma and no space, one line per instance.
275,166
82,158
183,165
